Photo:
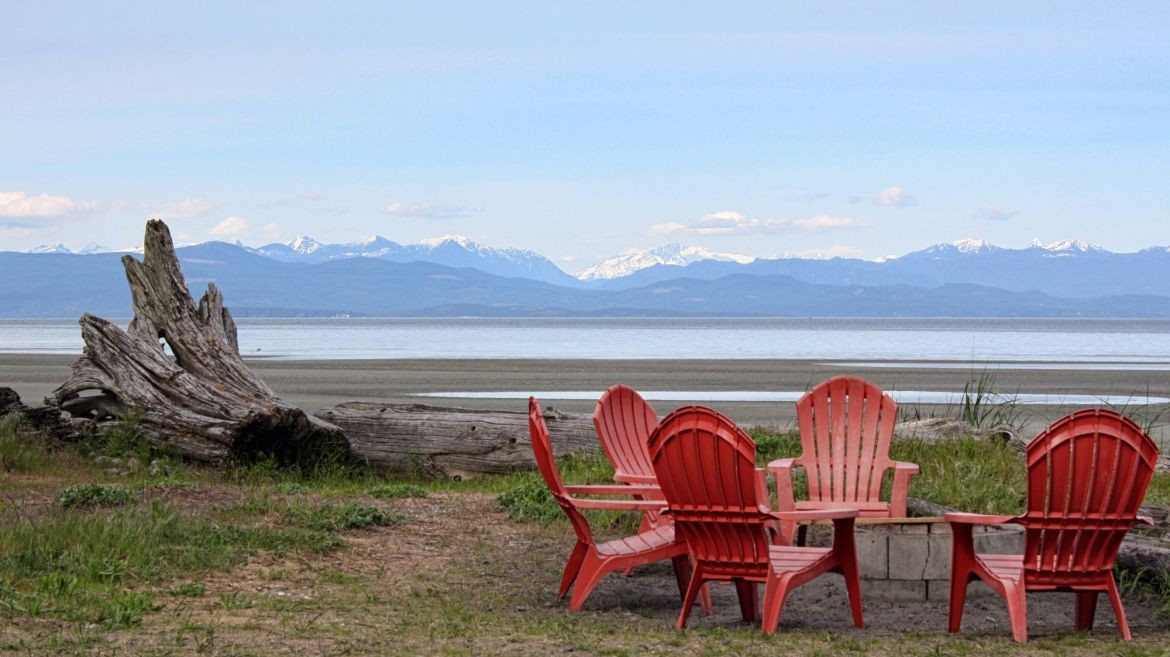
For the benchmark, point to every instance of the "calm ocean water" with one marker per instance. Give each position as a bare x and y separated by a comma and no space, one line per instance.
1140,344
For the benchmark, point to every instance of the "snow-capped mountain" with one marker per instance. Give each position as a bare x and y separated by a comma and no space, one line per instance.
307,249
54,248
668,254
1065,247
450,250
947,249
93,247
304,245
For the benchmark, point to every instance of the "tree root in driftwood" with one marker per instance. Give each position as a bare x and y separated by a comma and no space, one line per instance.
203,403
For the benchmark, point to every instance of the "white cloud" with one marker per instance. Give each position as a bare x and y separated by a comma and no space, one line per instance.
272,230
730,222
426,211
993,212
43,206
230,226
894,197
188,208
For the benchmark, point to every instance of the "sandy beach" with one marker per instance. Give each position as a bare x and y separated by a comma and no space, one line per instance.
318,384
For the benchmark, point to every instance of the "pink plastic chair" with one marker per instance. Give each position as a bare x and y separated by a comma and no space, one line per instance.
623,421
589,560
706,467
1087,475
846,424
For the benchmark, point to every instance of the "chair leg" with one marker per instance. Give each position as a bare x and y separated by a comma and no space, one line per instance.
845,555
1086,609
689,599
1017,606
592,570
850,571
682,572
962,561
572,567
682,575
705,601
1118,609
959,582
748,605
801,535
775,592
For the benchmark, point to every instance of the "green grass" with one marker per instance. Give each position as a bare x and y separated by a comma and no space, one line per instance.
526,497
335,517
969,474
21,450
80,566
985,409
84,495
86,567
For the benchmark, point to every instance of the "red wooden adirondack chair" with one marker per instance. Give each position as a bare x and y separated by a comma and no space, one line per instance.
590,560
1087,475
846,424
706,467
623,421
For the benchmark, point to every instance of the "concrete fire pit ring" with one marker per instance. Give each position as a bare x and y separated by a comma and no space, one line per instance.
907,559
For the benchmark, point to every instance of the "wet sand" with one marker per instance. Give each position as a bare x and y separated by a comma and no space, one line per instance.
313,385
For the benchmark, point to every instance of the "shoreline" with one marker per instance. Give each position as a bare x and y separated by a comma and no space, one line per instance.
316,384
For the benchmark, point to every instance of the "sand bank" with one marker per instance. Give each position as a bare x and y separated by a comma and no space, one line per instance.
317,384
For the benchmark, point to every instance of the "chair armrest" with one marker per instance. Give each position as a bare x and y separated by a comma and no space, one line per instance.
764,501
817,514
619,505
978,519
613,489
647,480
901,490
781,469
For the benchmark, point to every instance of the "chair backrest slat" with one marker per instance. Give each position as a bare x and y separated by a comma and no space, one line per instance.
546,463
706,468
1087,475
624,420
846,424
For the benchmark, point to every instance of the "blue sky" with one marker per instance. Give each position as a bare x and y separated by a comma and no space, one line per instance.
580,130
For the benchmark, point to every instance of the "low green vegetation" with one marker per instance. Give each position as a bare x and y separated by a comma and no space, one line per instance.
986,409
334,517
89,567
19,452
94,495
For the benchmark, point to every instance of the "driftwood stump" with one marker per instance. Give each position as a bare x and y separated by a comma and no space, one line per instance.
453,442
202,404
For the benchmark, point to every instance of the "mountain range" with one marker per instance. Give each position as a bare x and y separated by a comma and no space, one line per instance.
452,276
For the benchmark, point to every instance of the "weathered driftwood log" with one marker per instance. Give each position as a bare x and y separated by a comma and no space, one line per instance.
204,403
49,422
452,441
